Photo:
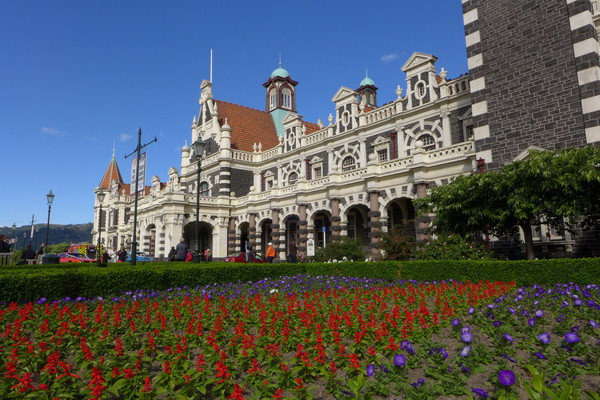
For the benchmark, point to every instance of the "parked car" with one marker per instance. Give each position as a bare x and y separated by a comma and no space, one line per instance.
241,258
140,257
74,258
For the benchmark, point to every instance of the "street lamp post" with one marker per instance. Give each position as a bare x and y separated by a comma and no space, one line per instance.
14,226
100,196
198,148
50,198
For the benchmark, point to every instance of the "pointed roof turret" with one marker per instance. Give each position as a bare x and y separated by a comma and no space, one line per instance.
112,174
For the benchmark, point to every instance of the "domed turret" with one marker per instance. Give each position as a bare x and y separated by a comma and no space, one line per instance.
280,72
368,91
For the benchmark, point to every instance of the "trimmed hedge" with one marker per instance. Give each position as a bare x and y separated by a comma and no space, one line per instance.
60,281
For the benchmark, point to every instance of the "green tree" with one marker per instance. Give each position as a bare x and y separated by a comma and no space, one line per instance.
558,189
346,248
397,244
448,246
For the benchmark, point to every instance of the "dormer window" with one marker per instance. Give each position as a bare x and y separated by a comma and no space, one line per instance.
286,97
273,98
348,164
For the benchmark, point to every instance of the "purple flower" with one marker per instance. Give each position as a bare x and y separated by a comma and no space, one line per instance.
370,370
406,345
506,377
384,368
508,337
465,368
590,303
593,323
531,321
42,300
580,362
466,337
578,302
455,322
465,329
539,313
465,351
540,356
497,323
399,360
482,393
571,337
443,353
418,383
471,310
544,337
509,358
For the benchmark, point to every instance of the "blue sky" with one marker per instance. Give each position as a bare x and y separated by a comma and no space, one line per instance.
79,77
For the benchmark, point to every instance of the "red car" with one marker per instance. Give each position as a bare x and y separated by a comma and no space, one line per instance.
74,258
241,258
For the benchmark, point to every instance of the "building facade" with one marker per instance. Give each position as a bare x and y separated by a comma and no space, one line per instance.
269,176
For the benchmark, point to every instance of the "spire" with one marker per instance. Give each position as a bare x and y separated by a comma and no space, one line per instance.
114,147
112,174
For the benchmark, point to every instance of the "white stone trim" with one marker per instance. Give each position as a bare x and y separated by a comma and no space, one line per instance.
473,38
481,132
479,108
470,16
588,75
475,61
590,104
586,46
486,155
580,20
571,1
592,134
477,84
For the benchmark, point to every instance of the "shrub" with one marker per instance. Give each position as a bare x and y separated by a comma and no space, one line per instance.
453,247
397,244
343,250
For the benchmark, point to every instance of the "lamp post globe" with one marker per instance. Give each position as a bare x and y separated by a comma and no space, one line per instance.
100,196
50,199
198,145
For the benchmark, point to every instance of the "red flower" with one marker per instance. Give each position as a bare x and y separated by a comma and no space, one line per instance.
237,393
278,395
147,385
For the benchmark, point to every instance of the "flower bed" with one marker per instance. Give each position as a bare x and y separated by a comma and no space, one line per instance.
302,337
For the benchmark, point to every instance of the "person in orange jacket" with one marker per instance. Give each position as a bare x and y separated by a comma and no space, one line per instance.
271,254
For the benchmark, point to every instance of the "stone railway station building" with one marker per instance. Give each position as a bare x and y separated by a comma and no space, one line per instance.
269,176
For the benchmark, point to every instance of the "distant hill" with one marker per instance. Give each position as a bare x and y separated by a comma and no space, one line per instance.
78,233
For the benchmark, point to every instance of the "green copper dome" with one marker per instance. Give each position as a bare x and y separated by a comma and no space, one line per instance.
280,72
367,81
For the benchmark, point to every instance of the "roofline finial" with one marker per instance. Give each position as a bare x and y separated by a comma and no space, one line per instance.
280,60
114,147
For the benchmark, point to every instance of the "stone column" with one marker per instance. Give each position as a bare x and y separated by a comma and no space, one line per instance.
302,227
252,232
231,235
336,220
275,229
422,222
374,224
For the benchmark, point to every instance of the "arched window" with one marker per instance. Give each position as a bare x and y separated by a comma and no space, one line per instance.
428,141
348,164
204,190
273,98
286,98
292,178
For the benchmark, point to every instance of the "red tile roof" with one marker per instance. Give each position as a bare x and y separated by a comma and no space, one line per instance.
248,126
112,174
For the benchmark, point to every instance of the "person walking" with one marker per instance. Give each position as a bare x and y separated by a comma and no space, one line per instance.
292,252
208,254
28,254
249,256
189,256
271,254
172,254
181,250
122,255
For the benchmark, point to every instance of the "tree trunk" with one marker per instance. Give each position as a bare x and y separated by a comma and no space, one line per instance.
528,236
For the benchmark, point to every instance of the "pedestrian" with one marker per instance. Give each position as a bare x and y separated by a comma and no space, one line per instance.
181,250
292,252
249,256
207,254
112,254
41,250
28,254
105,257
172,254
189,256
4,246
271,254
122,255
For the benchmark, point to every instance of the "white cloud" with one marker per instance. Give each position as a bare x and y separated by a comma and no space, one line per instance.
124,137
54,132
389,57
